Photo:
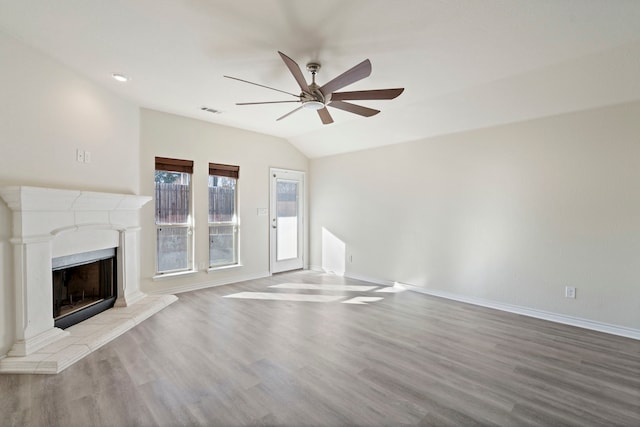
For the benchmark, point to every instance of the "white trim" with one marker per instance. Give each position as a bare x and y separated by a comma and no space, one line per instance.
209,284
381,282
532,312
223,267
173,275
316,268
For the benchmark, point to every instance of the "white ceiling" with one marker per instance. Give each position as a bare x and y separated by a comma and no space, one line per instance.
465,64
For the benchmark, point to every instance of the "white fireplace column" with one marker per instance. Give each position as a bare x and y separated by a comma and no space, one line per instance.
49,223
34,316
128,277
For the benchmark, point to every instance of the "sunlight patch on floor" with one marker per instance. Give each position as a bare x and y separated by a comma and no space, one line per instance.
331,287
392,289
362,300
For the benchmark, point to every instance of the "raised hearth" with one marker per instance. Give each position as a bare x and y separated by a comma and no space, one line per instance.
85,337
52,223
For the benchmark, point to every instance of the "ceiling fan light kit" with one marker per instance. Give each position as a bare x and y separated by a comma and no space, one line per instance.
315,97
313,105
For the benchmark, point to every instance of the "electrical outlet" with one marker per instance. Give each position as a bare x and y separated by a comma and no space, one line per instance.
79,155
569,292
87,156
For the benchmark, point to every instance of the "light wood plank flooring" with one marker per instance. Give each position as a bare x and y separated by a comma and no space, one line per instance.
408,359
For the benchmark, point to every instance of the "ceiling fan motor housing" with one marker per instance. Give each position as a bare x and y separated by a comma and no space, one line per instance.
314,99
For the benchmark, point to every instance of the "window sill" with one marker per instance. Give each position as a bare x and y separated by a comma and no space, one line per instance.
225,267
174,275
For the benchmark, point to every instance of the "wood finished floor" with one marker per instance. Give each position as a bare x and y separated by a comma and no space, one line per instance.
409,359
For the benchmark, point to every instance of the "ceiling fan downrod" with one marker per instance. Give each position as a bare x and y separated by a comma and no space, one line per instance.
316,100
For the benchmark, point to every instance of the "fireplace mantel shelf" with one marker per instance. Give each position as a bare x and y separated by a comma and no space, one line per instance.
29,199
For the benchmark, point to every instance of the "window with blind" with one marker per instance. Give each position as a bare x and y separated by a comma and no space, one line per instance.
174,227
223,216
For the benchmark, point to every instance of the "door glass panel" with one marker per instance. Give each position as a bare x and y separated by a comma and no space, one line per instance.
287,219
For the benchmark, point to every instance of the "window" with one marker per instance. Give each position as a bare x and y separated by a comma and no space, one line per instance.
174,221
223,217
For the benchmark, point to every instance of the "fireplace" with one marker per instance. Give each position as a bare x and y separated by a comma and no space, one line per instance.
83,286
53,224
74,252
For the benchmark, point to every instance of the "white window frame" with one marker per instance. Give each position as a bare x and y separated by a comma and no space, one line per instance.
235,223
189,226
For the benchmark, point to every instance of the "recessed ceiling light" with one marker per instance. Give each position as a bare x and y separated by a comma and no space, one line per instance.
120,77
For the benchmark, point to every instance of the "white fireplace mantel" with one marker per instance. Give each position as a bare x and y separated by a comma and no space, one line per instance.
49,223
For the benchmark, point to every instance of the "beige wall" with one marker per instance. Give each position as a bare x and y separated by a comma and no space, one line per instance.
510,214
167,135
46,113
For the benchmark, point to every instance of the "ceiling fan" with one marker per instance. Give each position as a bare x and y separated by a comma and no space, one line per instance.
315,97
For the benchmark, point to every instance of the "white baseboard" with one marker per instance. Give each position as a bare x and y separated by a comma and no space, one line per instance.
531,312
364,278
209,284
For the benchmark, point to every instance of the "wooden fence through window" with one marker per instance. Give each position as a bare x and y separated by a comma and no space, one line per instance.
172,203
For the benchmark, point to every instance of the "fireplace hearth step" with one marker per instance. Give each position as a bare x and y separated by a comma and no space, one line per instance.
86,337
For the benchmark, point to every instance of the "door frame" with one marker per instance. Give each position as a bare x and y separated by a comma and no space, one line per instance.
294,263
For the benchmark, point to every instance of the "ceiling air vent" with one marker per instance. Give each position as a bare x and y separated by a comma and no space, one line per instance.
210,110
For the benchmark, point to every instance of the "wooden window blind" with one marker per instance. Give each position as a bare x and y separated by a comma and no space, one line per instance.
174,165
224,170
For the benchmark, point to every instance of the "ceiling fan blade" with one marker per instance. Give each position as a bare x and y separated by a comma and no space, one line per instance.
367,94
325,116
352,75
295,70
353,108
258,84
290,113
264,102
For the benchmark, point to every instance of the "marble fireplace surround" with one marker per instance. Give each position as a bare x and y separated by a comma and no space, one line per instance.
50,223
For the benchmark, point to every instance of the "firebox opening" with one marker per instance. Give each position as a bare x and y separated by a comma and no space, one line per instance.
83,286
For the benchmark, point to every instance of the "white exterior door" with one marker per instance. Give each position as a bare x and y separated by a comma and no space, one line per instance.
287,220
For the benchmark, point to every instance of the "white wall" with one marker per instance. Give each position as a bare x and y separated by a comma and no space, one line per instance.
167,135
510,214
47,112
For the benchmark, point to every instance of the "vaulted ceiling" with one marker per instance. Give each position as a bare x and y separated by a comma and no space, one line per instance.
465,64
